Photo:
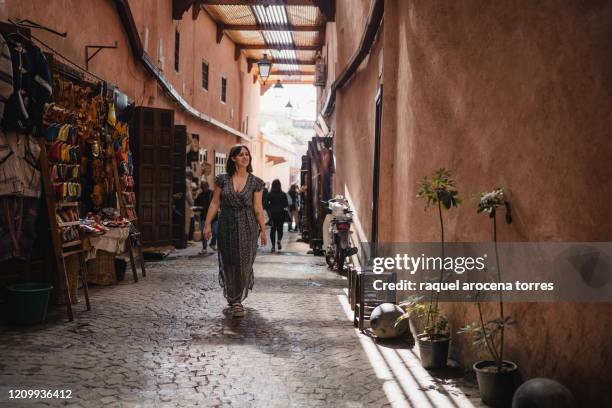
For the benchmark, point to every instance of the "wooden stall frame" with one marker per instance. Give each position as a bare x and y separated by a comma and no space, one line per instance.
62,250
134,237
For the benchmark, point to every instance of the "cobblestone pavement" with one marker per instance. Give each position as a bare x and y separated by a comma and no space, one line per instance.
169,341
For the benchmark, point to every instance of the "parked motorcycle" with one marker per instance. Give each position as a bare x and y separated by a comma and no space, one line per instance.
336,241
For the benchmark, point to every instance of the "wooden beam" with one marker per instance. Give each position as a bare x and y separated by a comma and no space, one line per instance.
272,27
219,33
285,61
179,7
292,81
195,9
285,81
300,73
237,51
270,83
328,8
258,2
279,47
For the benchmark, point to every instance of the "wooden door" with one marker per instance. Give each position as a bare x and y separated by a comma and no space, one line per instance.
152,145
178,186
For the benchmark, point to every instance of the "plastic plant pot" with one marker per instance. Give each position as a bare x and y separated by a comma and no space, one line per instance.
497,388
27,303
433,353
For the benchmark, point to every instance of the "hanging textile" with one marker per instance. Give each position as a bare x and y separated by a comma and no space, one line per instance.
6,74
17,226
19,166
31,87
25,87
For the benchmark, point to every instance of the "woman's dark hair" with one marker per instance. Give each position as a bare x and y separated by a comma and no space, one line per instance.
230,166
276,187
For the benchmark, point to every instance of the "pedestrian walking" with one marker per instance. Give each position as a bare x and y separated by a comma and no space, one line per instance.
203,200
277,205
189,216
238,202
294,207
264,200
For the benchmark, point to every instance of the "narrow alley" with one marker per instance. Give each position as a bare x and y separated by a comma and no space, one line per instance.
305,203
168,341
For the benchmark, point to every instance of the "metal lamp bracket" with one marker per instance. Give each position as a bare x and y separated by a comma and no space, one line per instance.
97,49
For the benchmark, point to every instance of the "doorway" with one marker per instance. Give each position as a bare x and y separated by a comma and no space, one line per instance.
376,166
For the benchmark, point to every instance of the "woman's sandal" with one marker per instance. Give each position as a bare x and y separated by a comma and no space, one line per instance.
238,310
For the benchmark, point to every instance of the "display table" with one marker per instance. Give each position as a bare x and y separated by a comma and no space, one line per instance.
112,241
101,250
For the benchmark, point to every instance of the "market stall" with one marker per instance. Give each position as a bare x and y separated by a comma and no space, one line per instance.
62,135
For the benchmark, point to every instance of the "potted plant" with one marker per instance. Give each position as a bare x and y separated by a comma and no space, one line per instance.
497,378
435,338
439,191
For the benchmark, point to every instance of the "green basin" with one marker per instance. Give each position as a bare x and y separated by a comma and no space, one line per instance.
26,303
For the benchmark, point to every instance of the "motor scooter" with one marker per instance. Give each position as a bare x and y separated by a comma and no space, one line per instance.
336,241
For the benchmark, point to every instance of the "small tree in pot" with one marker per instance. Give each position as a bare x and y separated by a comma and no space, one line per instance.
497,378
434,340
438,191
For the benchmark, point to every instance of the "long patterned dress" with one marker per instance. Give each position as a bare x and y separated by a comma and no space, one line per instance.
237,236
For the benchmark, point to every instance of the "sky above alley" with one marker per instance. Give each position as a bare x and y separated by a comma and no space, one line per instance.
302,97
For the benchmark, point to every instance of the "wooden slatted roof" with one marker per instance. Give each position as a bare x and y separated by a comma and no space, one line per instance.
290,32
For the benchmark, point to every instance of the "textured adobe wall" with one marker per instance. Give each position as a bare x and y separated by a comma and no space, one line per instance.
354,117
512,95
98,23
351,18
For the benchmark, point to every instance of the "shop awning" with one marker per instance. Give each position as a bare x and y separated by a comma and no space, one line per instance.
275,159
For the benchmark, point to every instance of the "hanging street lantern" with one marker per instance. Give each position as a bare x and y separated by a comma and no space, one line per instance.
278,89
265,66
289,109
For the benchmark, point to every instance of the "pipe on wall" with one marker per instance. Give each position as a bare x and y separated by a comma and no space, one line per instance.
365,45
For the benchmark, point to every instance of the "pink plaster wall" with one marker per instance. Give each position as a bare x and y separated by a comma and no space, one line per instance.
98,23
353,117
505,94
515,96
354,138
351,17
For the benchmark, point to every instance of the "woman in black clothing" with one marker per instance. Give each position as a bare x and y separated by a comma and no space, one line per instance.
277,204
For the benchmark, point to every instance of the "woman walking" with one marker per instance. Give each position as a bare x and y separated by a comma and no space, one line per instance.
238,196
277,206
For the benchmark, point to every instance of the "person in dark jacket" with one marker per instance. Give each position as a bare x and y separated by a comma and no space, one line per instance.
264,200
277,204
203,200
302,210
294,207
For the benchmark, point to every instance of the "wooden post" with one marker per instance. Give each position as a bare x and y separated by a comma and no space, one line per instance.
55,237
133,238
